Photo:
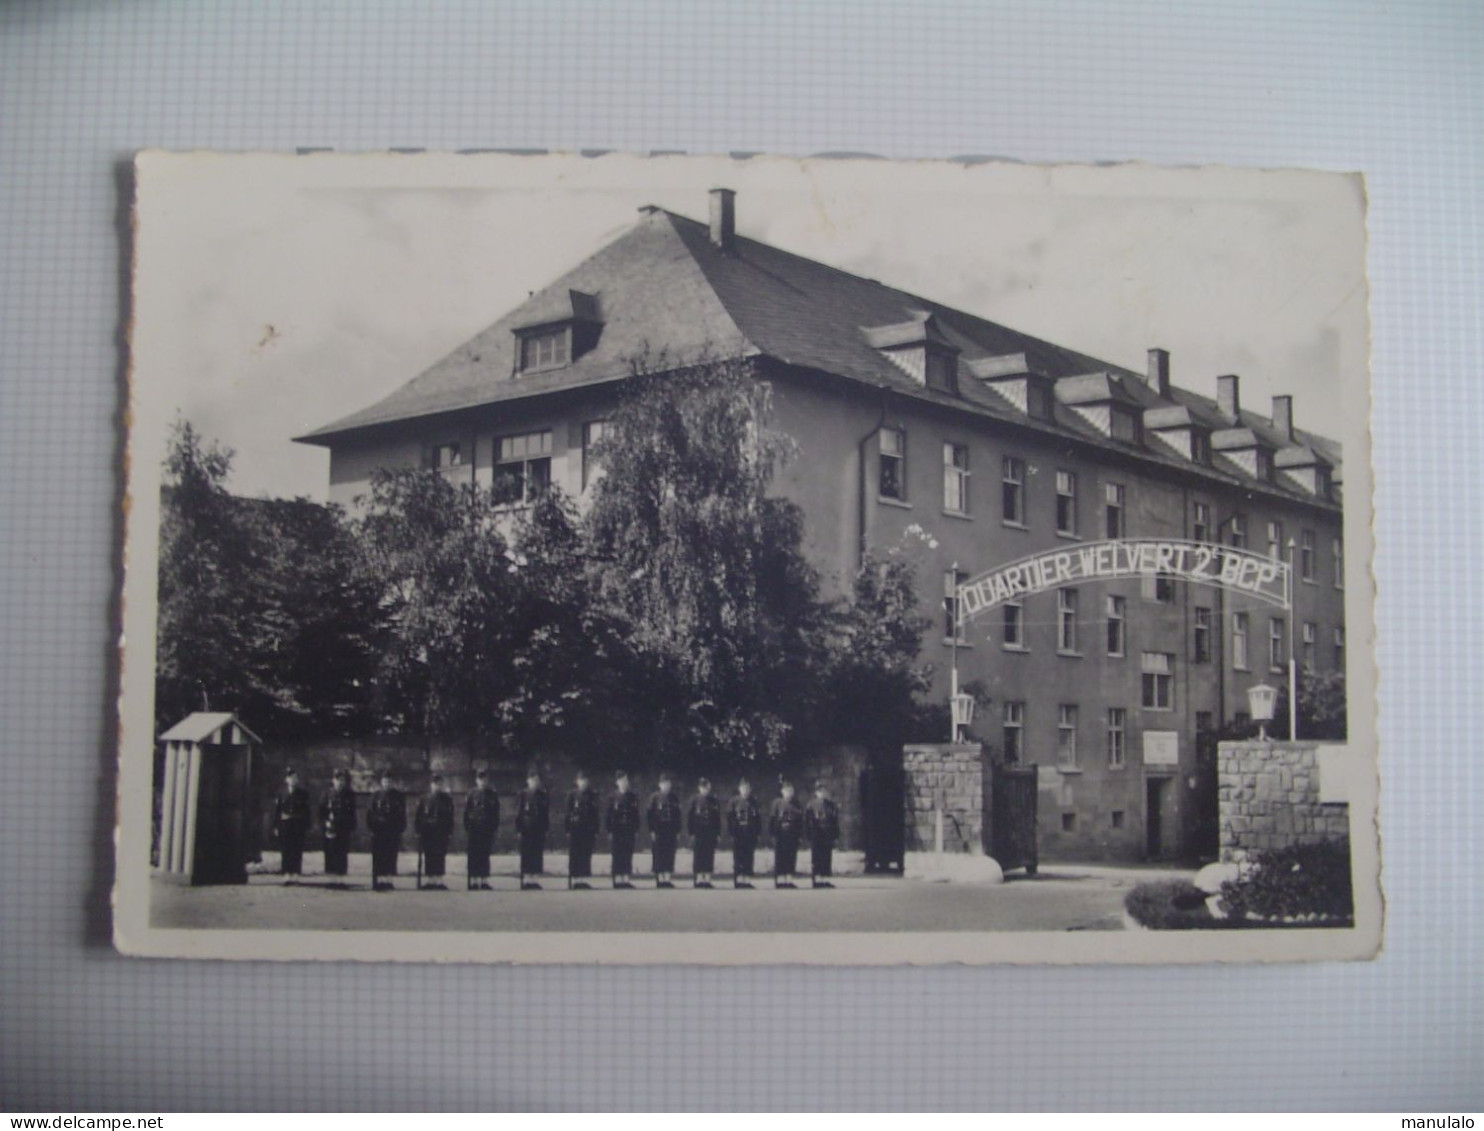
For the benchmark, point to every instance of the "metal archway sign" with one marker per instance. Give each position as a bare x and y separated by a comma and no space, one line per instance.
1225,567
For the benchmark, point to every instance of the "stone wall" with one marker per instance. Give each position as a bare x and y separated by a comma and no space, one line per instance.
949,776
1268,796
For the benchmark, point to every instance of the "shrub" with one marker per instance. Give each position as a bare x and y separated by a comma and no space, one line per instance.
1172,905
1302,881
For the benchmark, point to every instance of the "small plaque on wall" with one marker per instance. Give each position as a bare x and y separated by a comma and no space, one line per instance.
1161,748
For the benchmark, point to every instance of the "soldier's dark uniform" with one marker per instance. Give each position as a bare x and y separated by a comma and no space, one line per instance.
745,824
664,831
786,823
623,827
386,817
337,816
822,826
481,822
532,819
434,824
703,822
582,832
291,815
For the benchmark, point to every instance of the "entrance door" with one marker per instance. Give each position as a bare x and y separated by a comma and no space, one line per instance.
1154,845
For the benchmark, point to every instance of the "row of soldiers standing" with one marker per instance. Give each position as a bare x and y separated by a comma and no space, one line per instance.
789,823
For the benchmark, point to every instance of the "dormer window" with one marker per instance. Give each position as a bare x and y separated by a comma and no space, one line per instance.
920,349
558,328
1200,446
1123,425
545,349
1264,464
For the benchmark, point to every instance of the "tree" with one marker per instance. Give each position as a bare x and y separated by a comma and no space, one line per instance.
701,566
264,608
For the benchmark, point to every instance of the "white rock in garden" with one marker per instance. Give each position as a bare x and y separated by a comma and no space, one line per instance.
1210,878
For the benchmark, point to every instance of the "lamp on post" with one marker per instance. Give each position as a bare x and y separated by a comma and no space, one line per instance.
1261,699
963,714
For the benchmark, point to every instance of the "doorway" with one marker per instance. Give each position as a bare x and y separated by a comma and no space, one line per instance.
1154,802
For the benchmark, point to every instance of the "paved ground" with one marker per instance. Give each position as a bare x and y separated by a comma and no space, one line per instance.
1060,898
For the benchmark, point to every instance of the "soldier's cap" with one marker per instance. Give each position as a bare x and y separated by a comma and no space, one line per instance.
582,775
704,783
533,772
784,783
622,775
665,777
741,782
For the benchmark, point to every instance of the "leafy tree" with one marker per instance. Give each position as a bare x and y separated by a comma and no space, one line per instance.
703,567
263,606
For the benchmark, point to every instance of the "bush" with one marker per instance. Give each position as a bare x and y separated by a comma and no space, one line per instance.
1305,881
1173,905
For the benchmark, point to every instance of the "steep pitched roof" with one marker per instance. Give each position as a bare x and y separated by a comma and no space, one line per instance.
663,285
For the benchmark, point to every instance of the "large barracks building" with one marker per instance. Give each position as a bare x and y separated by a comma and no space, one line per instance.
983,446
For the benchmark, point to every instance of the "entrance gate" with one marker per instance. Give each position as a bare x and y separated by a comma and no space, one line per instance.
1010,830
883,817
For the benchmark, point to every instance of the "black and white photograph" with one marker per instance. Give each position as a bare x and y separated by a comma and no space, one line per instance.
558,558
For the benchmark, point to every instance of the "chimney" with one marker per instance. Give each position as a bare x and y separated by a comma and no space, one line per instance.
1283,416
1227,397
723,220
1159,372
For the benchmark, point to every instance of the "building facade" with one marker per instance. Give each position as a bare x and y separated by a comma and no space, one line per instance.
914,421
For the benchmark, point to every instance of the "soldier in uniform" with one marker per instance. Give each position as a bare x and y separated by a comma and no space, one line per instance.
582,832
623,827
434,824
786,823
386,817
745,823
291,817
703,822
337,816
532,818
481,822
822,826
664,831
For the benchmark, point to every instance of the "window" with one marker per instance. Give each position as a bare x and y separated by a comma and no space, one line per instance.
523,466
1113,509
1200,527
1203,720
1239,532
1066,503
1200,446
1310,643
593,433
446,456
544,350
1013,730
1069,822
1241,720
1066,621
1239,641
941,370
1277,648
956,478
1337,549
1123,426
1117,626
1014,614
1116,817
952,579
1306,555
1264,463
1201,645
1159,681
1340,649
1117,729
1012,490
893,464
1158,587
1275,541
1066,735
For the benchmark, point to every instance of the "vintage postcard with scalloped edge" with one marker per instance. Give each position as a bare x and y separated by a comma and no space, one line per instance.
547,558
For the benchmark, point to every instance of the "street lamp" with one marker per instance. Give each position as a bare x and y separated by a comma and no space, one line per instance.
963,714
1262,699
